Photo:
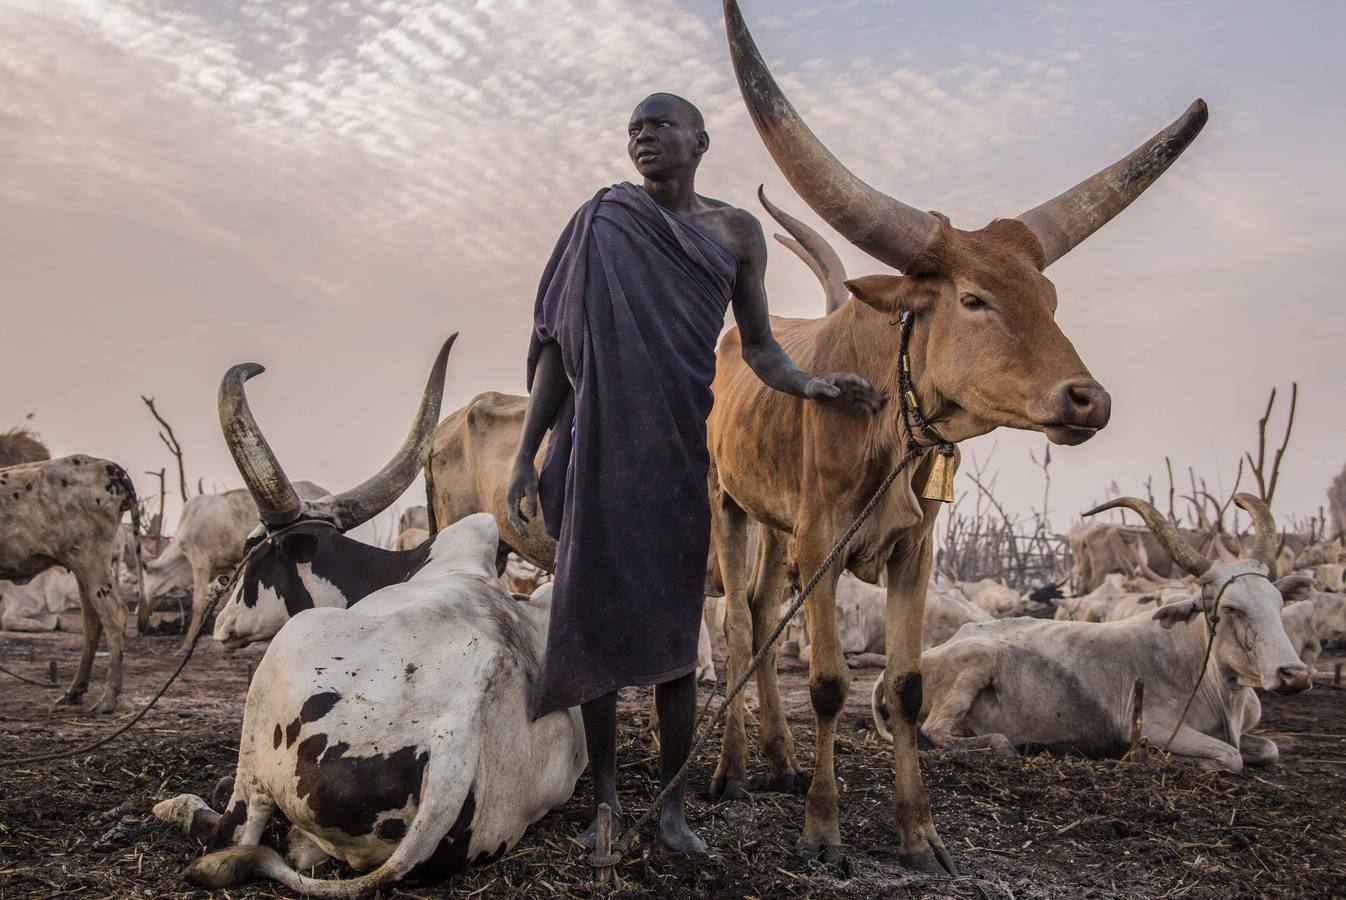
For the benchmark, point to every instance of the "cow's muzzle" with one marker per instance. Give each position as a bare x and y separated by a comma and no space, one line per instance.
1074,411
1293,679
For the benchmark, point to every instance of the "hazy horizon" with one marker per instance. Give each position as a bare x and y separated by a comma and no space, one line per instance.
332,189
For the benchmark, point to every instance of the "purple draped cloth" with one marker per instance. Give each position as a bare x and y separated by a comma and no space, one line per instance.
635,297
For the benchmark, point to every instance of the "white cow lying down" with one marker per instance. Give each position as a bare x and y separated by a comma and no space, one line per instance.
396,734
1067,685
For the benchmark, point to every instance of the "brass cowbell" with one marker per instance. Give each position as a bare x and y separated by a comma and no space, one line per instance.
939,486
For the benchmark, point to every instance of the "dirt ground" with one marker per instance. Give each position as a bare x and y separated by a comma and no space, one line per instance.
1040,826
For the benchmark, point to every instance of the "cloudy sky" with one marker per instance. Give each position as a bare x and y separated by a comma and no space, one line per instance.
331,188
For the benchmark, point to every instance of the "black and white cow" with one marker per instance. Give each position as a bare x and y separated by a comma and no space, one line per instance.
396,736
298,557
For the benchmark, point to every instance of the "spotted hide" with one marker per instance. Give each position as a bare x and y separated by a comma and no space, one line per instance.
396,735
65,512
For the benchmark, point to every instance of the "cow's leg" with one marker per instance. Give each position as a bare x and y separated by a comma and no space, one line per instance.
1209,752
93,630
302,852
1258,751
189,813
112,614
778,744
829,681
949,702
730,530
919,845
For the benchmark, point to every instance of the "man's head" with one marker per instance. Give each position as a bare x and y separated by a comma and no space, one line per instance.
666,135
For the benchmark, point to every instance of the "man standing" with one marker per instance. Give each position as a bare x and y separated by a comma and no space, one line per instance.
619,368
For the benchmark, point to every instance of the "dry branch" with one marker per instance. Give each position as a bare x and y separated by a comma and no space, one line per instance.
171,442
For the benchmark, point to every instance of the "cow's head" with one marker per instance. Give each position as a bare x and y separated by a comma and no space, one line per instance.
298,556
1251,647
990,353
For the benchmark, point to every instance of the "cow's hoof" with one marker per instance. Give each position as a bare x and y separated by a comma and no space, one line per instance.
106,704
69,698
724,787
935,861
824,853
793,783
224,789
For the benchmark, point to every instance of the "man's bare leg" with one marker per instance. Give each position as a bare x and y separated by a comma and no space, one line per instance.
676,703
600,734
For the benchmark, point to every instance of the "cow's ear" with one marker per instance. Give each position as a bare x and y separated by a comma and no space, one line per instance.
880,292
1295,587
299,546
1182,611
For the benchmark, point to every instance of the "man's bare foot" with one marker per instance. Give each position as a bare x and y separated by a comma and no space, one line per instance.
587,839
675,836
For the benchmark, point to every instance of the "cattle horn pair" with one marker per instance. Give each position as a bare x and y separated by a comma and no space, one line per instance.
1166,533
278,504
893,232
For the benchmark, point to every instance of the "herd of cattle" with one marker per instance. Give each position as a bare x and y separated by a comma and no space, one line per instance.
389,717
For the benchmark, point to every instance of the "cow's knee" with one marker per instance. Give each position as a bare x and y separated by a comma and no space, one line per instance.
904,695
828,693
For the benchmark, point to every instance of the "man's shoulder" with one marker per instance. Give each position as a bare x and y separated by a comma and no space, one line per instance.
737,225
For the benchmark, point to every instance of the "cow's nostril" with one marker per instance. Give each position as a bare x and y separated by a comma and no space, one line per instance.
1293,678
1081,396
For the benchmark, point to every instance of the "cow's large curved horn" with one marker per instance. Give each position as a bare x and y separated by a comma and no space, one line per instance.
814,250
1164,531
1063,222
1264,524
277,502
885,228
361,503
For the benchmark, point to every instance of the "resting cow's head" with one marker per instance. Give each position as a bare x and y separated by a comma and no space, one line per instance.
990,350
1251,647
298,557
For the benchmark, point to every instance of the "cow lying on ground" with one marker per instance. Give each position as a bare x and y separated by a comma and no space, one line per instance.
1115,599
1067,685
1313,623
65,512
38,604
396,736
860,612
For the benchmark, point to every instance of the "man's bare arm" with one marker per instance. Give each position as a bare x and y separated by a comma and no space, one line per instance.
763,354
550,386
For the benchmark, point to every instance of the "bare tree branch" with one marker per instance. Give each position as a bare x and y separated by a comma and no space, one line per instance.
171,442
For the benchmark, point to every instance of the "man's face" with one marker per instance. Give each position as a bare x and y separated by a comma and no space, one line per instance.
663,138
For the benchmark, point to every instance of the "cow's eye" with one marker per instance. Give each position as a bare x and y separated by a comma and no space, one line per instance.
972,301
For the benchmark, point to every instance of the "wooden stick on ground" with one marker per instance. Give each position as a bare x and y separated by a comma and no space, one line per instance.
1139,749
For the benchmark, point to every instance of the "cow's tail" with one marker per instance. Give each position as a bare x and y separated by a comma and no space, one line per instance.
131,504
445,813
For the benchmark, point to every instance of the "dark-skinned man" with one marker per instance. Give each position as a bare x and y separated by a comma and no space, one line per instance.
622,356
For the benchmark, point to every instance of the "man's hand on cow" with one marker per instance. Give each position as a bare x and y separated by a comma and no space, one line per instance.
522,490
845,389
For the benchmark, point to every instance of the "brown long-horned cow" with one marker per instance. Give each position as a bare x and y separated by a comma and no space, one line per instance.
985,352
